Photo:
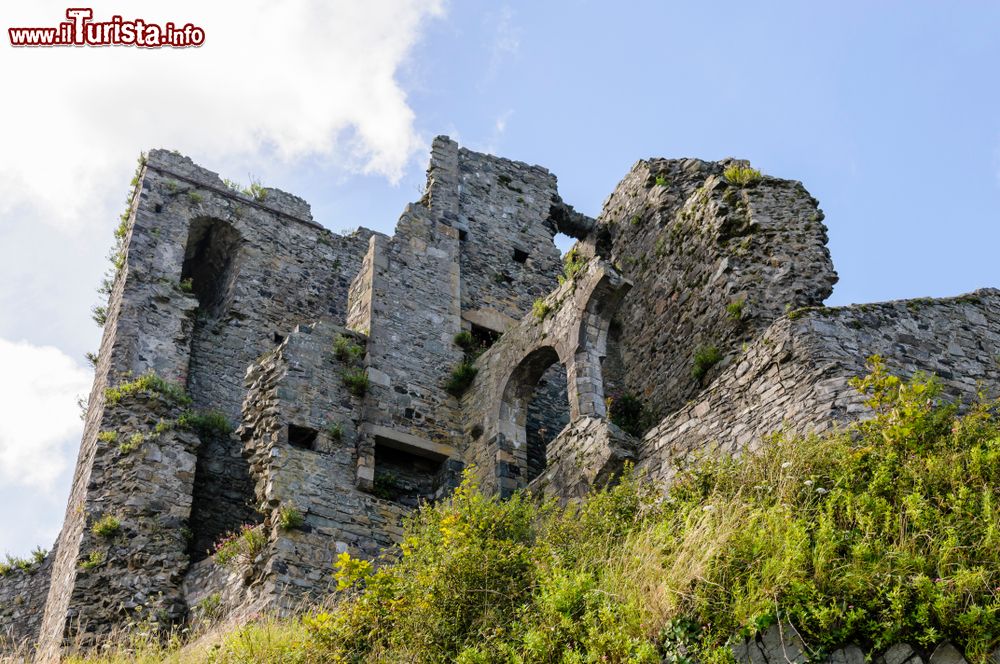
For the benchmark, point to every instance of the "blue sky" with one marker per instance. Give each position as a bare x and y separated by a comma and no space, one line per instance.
887,112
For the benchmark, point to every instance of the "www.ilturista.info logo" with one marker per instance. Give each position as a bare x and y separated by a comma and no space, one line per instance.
80,30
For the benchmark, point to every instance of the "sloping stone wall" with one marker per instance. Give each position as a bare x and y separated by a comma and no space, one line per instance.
796,375
712,263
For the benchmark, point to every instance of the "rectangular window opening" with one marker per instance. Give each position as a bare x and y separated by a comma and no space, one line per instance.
484,336
404,477
520,255
301,437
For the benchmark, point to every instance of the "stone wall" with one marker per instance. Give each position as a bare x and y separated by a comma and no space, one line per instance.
568,333
712,264
300,383
22,601
508,258
256,268
796,375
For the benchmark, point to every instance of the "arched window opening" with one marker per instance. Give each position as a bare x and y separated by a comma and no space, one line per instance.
535,408
208,264
548,413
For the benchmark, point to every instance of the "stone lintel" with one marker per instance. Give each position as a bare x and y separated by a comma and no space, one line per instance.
407,442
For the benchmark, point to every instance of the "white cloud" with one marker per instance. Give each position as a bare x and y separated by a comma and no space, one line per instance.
273,80
41,423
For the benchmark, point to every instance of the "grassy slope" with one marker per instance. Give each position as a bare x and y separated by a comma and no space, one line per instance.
886,532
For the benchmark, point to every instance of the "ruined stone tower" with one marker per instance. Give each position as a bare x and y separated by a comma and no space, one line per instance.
259,372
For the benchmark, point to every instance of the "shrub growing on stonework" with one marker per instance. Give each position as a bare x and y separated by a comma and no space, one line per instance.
741,176
240,547
107,526
346,350
290,518
356,381
705,357
461,378
540,309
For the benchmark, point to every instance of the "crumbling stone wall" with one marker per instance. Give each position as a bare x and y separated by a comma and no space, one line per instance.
280,268
508,258
215,281
300,383
796,375
712,265
22,601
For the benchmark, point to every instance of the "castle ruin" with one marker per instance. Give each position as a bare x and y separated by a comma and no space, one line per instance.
338,361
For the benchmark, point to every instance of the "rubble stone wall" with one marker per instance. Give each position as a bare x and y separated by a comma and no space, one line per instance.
796,375
712,263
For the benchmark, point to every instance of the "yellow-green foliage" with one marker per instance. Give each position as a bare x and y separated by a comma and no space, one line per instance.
240,547
883,533
540,308
290,518
107,526
573,263
148,383
741,175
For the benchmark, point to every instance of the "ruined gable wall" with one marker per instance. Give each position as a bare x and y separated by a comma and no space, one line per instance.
796,375
504,206
283,268
693,245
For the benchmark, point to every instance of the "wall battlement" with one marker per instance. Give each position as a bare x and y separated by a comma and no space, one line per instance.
258,371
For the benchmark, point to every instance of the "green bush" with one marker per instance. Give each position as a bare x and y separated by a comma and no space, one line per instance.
540,309
356,381
132,444
741,176
461,378
94,560
346,350
734,310
465,340
336,431
883,533
206,422
146,384
290,518
107,526
573,263
705,357
240,547
628,413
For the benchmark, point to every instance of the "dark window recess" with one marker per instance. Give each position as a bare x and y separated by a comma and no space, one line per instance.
278,338
463,234
158,208
404,477
520,255
484,336
302,437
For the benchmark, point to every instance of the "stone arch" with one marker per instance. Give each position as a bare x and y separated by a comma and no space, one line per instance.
210,263
515,410
572,333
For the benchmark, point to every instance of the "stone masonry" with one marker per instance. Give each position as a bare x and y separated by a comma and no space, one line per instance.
262,377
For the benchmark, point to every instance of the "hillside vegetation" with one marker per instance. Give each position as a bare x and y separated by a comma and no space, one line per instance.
888,531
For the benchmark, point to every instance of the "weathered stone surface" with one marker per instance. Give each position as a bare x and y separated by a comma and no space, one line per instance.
946,653
795,376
